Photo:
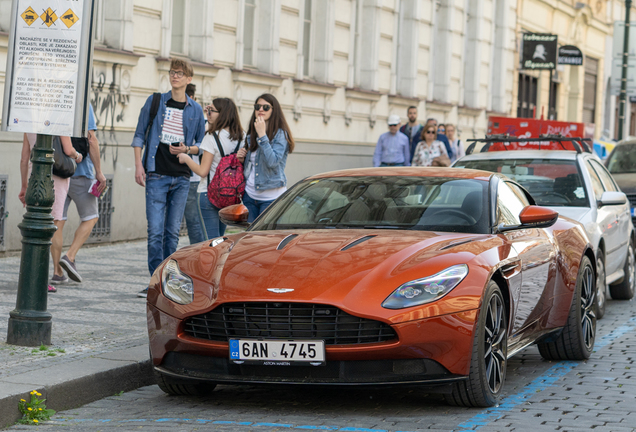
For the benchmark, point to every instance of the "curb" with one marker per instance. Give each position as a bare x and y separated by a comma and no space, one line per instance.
77,382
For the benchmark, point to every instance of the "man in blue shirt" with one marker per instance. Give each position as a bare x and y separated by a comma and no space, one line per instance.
392,148
179,120
88,170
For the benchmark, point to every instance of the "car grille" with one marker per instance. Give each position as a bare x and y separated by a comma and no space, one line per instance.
287,321
632,199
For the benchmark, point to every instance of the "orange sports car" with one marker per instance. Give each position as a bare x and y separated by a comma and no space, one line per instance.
432,276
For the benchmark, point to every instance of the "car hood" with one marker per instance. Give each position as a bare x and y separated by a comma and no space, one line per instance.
576,213
348,268
627,182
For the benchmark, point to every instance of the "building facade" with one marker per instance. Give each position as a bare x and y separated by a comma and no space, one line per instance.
338,67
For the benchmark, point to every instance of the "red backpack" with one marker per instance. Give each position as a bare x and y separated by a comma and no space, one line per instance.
228,184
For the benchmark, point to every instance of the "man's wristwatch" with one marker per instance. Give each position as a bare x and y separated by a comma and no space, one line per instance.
187,149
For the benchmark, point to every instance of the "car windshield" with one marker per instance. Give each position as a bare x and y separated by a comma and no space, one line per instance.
622,160
389,202
551,182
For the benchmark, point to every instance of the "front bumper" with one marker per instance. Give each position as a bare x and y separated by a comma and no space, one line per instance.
433,350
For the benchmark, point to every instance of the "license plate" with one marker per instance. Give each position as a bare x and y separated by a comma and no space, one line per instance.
278,352
633,211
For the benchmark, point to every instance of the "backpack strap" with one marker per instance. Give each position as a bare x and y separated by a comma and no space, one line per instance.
154,109
220,147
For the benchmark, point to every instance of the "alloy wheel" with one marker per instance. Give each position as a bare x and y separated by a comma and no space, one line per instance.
601,288
495,344
587,307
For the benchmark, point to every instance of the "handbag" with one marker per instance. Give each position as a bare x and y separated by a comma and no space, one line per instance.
63,165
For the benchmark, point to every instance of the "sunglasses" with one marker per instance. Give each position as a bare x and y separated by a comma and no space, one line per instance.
265,107
441,130
430,132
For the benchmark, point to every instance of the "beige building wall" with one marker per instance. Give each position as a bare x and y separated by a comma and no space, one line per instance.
338,67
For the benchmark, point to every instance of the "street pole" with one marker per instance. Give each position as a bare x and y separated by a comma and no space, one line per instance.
623,94
30,323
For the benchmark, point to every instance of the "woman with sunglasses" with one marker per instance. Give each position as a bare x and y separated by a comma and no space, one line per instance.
224,125
429,151
268,143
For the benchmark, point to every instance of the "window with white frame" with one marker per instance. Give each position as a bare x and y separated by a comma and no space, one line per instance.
307,39
178,29
249,34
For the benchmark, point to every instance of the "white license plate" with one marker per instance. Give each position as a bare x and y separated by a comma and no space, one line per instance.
278,352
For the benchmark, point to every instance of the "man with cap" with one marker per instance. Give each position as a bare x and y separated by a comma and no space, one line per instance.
392,148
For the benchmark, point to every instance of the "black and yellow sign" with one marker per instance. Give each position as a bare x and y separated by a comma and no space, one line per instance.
29,16
49,17
69,18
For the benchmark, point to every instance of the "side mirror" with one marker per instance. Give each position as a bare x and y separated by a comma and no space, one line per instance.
612,198
532,216
236,214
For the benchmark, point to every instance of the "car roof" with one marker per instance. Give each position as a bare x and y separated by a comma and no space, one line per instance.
523,154
408,172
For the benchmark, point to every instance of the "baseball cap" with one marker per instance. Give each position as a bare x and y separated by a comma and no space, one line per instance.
394,119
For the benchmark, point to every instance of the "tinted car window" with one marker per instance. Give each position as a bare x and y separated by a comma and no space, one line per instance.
417,203
597,185
623,159
606,178
551,182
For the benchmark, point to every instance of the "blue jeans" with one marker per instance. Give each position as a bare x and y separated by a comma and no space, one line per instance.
212,225
192,215
255,207
166,198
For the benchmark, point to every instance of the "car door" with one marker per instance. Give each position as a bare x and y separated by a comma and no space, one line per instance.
536,251
622,215
607,222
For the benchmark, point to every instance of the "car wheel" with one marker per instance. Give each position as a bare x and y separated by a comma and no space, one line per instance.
624,290
601,287
176,387
489,357
577,338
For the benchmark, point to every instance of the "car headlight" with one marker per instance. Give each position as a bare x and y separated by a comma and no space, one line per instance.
426,290
176,285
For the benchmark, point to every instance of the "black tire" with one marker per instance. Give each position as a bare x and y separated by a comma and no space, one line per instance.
576,341
489,356
176,387
601,287
624,290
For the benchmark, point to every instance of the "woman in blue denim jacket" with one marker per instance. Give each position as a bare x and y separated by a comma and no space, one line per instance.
269,140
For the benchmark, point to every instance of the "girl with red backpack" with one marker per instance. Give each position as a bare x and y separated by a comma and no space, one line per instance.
269,141
223,138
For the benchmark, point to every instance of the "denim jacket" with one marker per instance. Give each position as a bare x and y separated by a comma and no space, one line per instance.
271,158
193,127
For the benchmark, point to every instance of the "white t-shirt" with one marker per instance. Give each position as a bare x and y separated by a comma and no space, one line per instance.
250,185
209,145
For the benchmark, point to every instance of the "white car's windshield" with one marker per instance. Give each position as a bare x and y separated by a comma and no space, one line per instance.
390,202
550,182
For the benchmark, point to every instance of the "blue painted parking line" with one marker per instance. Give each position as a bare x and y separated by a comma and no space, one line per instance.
541,383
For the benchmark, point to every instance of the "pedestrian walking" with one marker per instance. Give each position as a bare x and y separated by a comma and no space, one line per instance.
268,142
191,214
85,202
456,144
60,189
430,151
392,148
441,137
412,129
224,129
178,120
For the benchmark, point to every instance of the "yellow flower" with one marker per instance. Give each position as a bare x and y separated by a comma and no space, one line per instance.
39,409
39,394
35,420
33,392
22,400
30,409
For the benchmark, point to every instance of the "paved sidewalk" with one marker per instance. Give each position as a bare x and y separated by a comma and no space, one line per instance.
99,336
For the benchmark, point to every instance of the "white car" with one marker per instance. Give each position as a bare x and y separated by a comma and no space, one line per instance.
577,185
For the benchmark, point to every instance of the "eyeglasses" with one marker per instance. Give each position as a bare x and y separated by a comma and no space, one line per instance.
265,107
210,111
430,132
178,74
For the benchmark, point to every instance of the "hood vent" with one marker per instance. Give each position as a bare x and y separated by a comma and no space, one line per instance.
286,240
357,242
457,243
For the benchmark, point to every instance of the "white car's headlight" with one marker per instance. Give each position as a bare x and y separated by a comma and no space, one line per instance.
426,290
176,285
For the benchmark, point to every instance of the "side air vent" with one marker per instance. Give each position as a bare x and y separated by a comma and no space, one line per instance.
357,242
286,240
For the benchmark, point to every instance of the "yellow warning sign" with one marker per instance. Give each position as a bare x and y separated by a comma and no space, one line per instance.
49,17
69,18
29,16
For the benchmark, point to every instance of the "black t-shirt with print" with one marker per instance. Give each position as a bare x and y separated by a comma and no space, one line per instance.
165,162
